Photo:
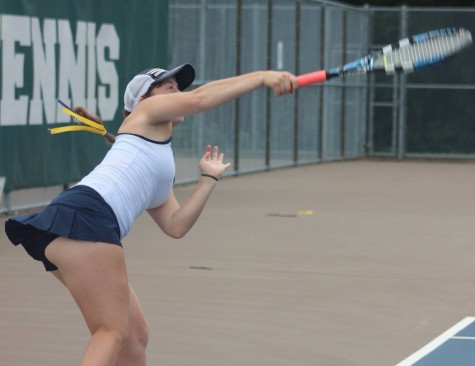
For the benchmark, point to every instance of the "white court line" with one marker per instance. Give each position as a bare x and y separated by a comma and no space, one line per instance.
428,348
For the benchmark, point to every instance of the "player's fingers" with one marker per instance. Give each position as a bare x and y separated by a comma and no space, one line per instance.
283,85
287,85
207,153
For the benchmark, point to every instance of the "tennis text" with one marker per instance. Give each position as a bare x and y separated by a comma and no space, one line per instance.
42,60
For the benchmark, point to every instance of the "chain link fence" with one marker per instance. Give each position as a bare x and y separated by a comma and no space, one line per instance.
427,114
260,131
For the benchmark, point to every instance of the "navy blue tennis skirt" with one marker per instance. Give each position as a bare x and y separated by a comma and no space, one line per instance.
77,213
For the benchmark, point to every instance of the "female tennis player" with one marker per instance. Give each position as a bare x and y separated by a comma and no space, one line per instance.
78,236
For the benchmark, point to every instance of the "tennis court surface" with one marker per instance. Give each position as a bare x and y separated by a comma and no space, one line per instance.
360,263
454,347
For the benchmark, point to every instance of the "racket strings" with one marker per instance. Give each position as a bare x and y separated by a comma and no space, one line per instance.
408,56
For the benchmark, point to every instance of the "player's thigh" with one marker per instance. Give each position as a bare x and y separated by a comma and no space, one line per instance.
95,274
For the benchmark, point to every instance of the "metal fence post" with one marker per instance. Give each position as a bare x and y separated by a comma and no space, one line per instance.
201,66
237,109
344,42
297,72
368,146
322,89
268,91
401,146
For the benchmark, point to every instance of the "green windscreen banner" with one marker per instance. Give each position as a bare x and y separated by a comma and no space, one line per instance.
82,52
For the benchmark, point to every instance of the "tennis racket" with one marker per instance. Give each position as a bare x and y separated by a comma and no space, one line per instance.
408,55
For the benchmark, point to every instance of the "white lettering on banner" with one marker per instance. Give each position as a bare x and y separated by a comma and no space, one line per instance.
78,68
15,29
107,38
44,69
91,103
72,69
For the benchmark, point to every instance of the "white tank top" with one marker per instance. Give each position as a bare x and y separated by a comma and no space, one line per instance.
136,174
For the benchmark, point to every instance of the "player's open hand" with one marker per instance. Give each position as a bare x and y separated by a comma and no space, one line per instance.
212,162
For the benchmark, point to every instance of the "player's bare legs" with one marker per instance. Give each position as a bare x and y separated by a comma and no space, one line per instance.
96,277
133,352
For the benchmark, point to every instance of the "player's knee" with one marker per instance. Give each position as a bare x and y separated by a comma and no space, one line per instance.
135,345
144,335
120,338
117,336
138,337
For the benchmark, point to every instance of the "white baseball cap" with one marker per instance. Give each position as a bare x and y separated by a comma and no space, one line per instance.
143,81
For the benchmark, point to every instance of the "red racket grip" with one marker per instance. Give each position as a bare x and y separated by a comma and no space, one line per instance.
312,78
